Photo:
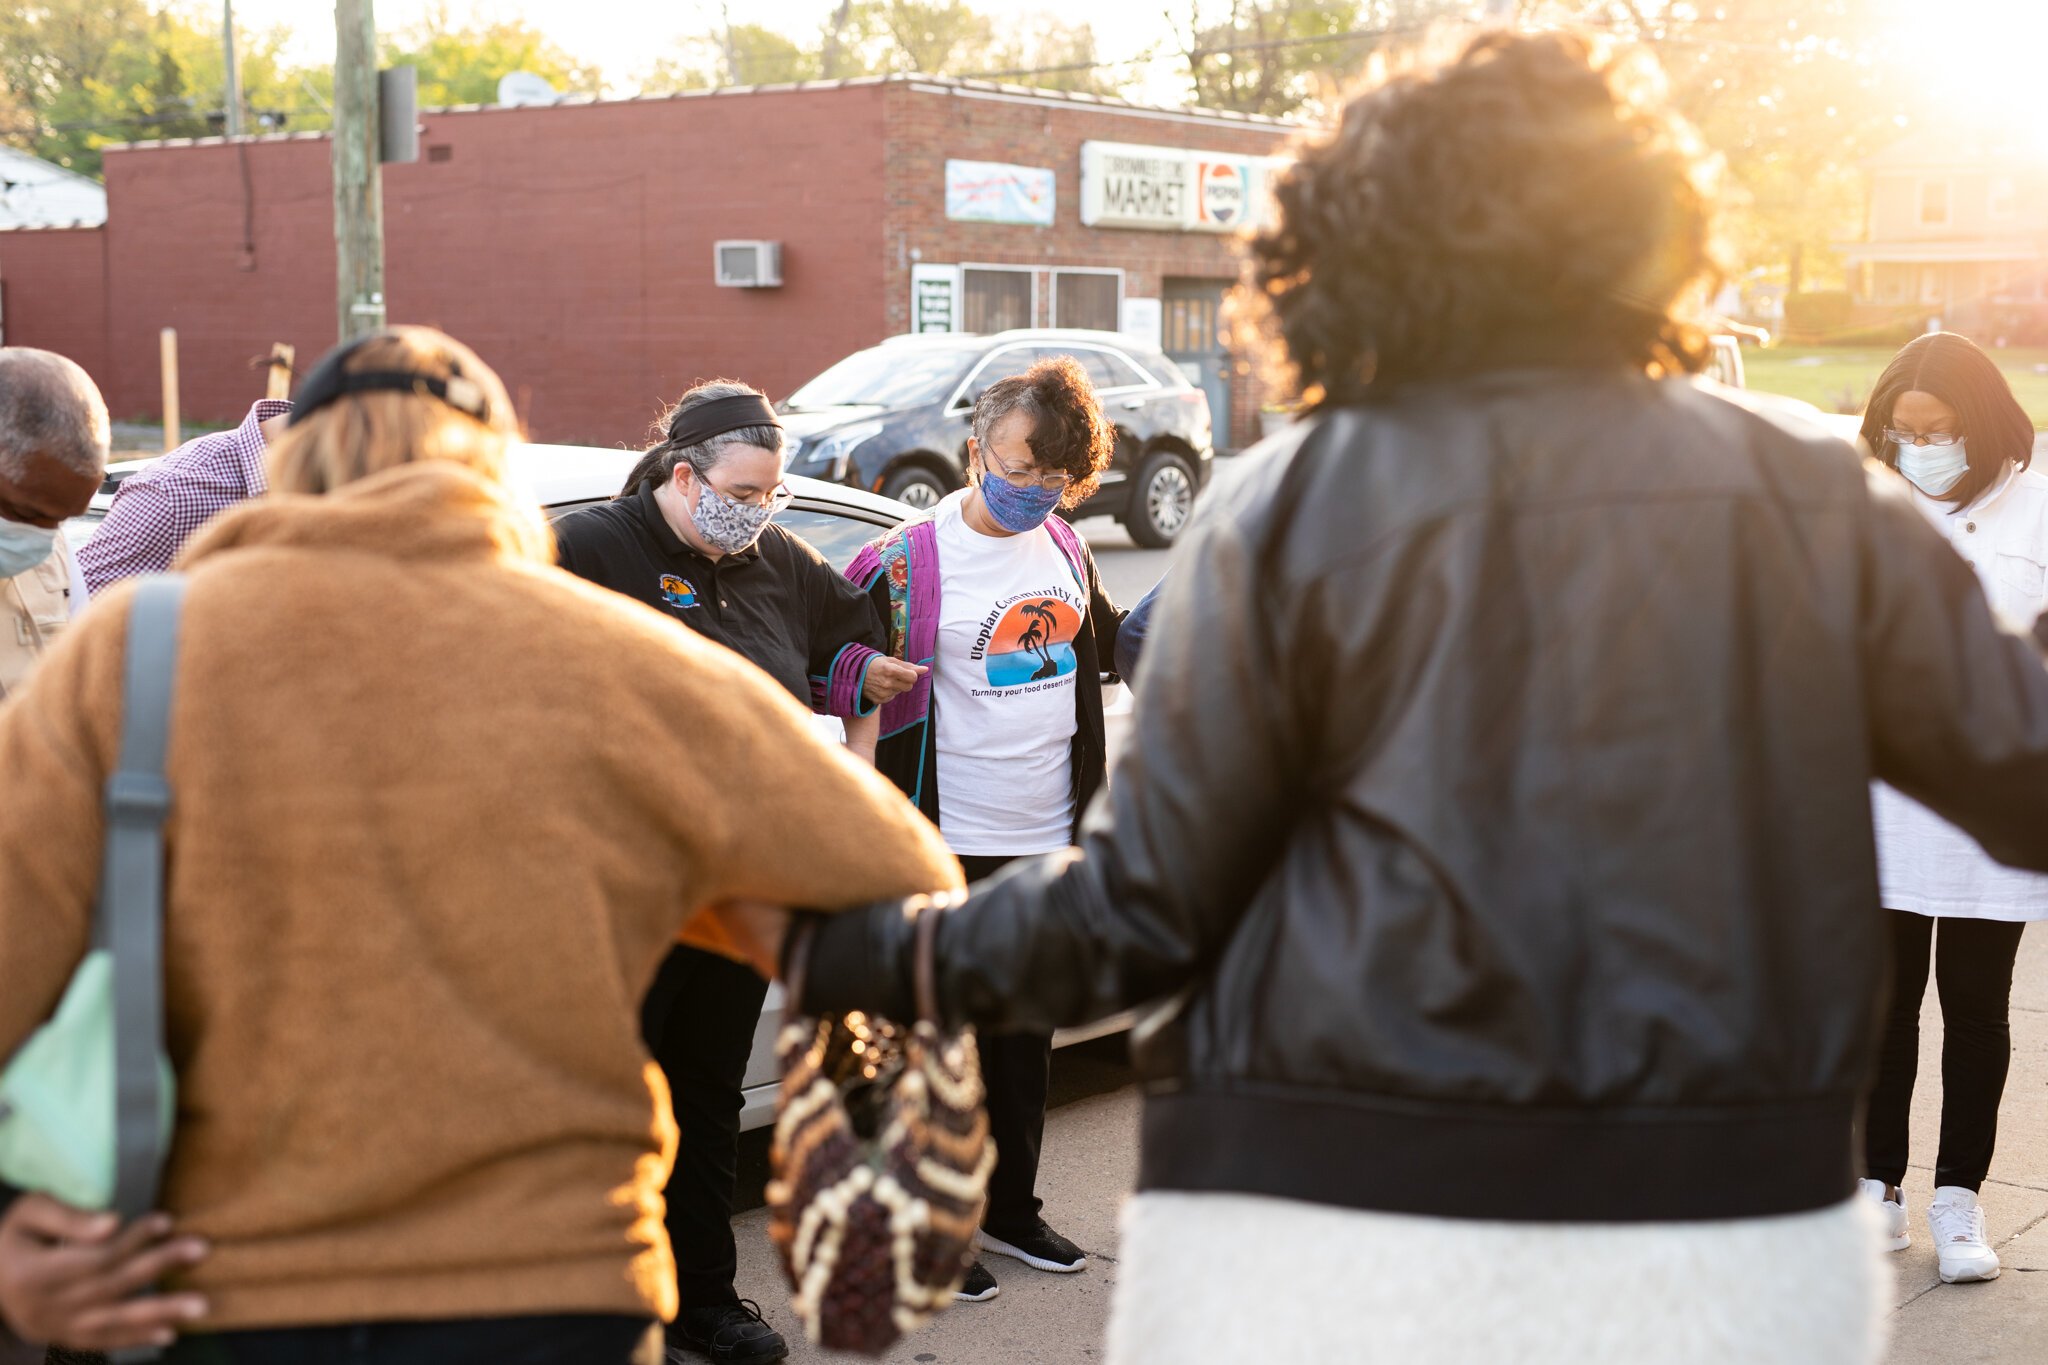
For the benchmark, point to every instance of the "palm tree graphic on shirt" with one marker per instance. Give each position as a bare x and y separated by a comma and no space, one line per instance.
1036,635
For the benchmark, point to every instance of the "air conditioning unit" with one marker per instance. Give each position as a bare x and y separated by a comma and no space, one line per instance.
749,265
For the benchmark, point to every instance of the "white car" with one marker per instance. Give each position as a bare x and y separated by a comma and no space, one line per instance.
837,519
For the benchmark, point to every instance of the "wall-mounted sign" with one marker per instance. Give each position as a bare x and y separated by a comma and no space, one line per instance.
1141,320
993,192
934,298
1173,189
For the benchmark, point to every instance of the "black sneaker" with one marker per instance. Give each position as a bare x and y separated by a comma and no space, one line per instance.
1040,1248
979,1287
726,1331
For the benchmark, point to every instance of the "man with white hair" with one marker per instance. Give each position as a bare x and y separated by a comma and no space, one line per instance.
65,1274
53,454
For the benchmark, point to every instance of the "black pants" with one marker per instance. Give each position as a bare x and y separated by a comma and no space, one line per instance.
566,1339
1016,1068
1973,961
699,1021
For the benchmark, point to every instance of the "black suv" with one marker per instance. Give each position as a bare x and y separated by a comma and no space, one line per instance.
893,419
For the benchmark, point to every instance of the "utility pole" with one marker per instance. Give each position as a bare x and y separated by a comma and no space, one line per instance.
234,70
358,190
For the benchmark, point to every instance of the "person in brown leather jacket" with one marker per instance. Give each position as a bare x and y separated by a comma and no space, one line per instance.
1495,836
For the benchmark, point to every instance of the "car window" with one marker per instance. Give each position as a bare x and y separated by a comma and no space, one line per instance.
1004,363
1111,371
834,535
884,376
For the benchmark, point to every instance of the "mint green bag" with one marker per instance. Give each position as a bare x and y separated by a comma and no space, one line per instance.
86,1103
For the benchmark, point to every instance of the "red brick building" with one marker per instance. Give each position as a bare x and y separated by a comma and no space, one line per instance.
573,246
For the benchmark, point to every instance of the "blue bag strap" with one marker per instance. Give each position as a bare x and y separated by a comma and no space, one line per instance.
131,899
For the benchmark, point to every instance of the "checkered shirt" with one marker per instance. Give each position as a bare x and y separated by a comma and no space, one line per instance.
156,511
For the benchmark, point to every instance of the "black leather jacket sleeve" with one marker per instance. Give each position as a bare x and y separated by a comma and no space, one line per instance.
1168,858
1958,704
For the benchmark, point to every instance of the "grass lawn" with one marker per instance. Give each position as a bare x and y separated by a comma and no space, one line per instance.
1838,379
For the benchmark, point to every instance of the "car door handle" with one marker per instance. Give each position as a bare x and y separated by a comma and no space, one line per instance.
1130,404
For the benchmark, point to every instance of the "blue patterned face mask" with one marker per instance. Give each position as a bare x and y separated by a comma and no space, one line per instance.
1934,469
1015,509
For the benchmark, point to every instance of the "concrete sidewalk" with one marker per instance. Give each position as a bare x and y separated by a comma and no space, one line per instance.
2003,1322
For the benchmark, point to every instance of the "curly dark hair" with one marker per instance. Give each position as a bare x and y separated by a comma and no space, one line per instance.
1528,201
1996,429
1068,431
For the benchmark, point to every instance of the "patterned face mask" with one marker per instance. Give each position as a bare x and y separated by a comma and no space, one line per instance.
728,526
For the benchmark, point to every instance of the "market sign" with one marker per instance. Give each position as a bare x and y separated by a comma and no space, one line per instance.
1173,189
993,192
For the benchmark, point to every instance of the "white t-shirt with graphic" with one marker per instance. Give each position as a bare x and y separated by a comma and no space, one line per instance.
1003,688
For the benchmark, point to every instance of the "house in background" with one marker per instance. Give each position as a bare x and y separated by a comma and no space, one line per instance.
1955,231
38,194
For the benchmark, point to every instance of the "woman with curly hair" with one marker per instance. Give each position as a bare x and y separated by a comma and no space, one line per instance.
1496,827
1001,742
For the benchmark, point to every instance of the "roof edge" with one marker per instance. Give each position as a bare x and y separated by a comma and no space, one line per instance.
971,85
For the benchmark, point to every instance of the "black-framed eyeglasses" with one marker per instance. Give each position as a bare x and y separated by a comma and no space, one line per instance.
1029,478
1925,438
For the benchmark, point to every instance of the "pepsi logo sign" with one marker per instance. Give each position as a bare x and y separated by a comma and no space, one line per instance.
1222,192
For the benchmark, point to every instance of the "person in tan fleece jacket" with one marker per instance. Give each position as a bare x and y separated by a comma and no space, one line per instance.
440,809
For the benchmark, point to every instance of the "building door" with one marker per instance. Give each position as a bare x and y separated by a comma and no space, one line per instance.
1191,334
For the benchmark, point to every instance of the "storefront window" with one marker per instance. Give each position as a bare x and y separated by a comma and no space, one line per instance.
995,300
1086,298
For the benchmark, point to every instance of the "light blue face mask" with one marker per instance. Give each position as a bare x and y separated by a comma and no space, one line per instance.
22,547
1934,469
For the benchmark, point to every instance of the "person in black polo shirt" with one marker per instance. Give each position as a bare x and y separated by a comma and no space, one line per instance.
692,535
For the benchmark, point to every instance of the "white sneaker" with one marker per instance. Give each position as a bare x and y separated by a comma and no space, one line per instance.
1897,1230
1958,1226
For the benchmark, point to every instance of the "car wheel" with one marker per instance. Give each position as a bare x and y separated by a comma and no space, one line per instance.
916,486
1162,501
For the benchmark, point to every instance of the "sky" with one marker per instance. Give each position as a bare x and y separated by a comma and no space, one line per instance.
624,37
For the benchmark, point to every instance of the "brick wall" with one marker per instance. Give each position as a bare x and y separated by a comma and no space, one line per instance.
571,247
53,294
926,129
233,271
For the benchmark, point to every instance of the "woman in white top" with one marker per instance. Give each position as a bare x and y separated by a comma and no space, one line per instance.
998,602
1944,418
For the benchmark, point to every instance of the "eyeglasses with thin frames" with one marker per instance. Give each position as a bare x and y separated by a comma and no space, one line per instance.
1028,478
775,499
1926,438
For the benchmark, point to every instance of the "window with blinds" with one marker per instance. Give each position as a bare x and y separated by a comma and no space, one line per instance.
1086,298
995,300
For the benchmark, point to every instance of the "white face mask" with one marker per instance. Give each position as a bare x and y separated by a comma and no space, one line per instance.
22,547
1934,469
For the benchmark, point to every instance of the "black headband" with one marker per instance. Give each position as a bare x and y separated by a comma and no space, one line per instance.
695,425
330,380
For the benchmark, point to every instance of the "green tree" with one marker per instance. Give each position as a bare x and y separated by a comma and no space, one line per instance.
867,37
1255,57
461,61
1041,49
935,37
1792,94
80,74
742,54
